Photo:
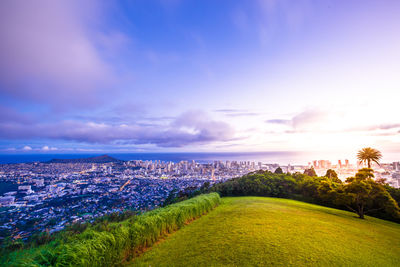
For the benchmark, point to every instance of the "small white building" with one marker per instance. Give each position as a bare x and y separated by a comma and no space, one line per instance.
7,200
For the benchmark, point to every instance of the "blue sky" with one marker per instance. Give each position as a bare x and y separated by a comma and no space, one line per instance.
266,75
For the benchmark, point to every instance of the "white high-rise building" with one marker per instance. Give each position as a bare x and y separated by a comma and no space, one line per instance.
396,166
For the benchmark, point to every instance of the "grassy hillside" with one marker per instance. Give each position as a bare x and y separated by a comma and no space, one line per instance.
113,243
261,231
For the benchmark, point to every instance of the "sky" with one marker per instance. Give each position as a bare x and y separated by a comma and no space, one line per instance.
200,76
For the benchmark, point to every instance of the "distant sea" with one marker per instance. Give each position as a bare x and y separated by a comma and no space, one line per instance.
265,157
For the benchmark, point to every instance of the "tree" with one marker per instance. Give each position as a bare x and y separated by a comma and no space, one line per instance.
332,175
368,155
362,195
394,192
310,172
327,190
205,187
278,170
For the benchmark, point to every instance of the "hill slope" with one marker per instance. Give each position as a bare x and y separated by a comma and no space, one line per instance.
98,159
279,232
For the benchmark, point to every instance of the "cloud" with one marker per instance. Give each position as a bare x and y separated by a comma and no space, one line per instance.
193,127
237,112
388,126
328,121
279,121
50,53
243,114
389,129
47,148
228,110
303,121
32,149
307,118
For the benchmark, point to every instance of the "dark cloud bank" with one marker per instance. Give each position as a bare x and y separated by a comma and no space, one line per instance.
193,127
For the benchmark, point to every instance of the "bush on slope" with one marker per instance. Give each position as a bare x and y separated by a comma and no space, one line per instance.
120,241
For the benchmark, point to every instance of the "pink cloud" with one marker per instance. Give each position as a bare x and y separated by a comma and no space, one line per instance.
49,52
193,127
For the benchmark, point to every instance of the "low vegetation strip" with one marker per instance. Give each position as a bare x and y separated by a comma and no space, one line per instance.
264,231
118,241
360,194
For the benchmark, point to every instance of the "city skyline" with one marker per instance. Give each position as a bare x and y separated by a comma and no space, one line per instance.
185,76
108,185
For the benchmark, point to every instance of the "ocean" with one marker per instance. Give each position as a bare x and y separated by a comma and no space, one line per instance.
265,157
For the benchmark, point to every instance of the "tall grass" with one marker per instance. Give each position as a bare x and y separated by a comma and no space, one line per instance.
121,241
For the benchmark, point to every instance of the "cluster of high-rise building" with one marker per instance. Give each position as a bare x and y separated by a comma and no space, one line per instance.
326,164
388,171
39,196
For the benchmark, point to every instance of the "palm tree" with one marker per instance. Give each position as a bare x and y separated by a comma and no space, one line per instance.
368,155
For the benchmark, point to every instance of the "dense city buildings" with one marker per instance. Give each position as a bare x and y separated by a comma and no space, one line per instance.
48,196
35,197
388,171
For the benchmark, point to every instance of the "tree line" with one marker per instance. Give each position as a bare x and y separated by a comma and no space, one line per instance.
360,194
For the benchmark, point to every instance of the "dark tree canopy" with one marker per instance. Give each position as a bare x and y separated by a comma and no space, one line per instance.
332,175
279,170
310,172
360,194
363,195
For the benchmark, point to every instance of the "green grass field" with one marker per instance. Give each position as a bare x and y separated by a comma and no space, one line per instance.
257,231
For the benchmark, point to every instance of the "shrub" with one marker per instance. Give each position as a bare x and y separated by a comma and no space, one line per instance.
120,241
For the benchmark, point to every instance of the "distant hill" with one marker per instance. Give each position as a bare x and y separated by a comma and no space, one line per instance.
98,159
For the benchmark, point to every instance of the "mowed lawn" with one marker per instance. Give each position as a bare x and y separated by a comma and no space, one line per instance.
258,231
